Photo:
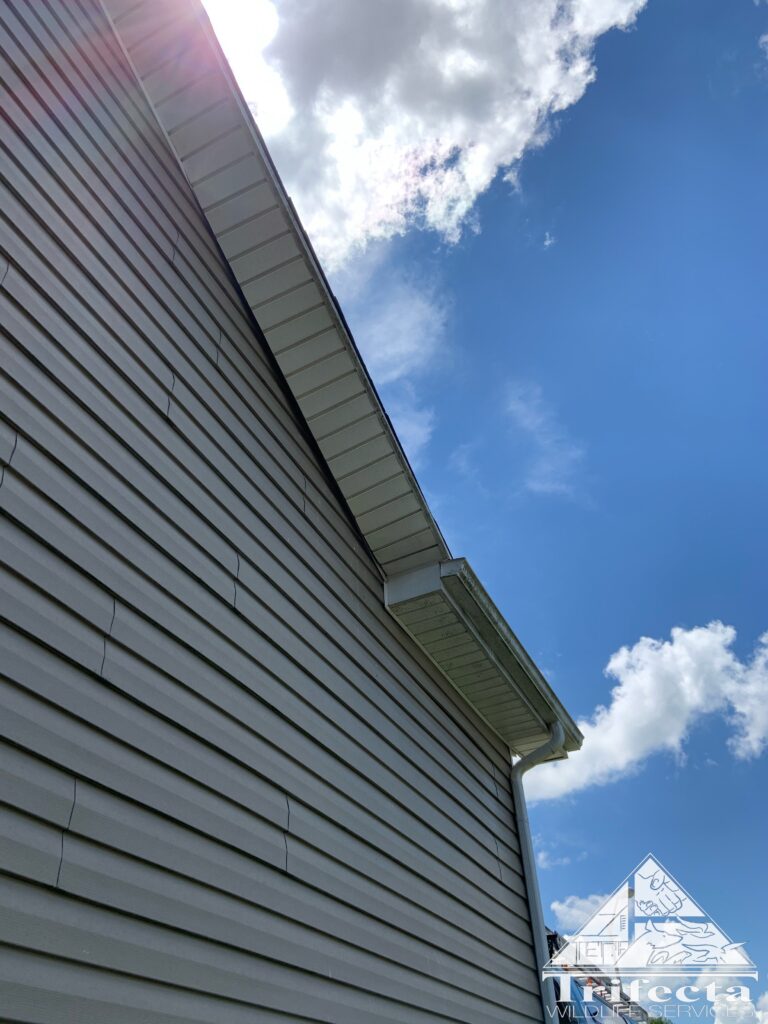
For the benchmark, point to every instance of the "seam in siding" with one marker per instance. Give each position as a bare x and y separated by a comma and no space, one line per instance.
10,457
66,829
498,858
170,393
175,247
286,830
108,634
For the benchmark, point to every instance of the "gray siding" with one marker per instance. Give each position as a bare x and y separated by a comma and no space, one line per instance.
232,788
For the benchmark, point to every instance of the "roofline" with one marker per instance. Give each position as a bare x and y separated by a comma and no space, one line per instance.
315,263
453,586
504,635
191,89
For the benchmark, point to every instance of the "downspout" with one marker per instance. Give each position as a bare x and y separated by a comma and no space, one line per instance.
519,768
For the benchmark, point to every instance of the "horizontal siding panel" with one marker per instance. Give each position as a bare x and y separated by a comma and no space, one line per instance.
27,608
230,786
47,989
79,748
107,878
25,557
173,247
29,847
94,654
135,728
34,786
341,901
94,559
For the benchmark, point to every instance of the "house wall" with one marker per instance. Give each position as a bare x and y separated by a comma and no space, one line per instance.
232,789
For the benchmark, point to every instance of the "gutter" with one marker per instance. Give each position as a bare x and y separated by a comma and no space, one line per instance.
552,746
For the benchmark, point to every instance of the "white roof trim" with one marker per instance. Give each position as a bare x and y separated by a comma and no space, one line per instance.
449,614
177,59
179,64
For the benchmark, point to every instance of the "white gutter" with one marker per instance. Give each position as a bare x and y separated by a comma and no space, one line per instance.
552,746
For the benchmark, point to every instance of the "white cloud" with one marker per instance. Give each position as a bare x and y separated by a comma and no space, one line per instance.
390,113
399,321
414,423
574,911
664,689
546,860
762,42
731,1009
556,457
244,30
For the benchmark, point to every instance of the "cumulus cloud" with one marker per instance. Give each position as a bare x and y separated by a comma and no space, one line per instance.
556,456
392,113
545,859
413,421
732,1009
664,688
762,42
574,911
399,319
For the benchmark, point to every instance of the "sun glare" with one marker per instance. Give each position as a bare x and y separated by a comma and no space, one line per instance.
245,28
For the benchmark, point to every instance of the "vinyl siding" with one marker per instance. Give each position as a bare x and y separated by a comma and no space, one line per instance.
232,787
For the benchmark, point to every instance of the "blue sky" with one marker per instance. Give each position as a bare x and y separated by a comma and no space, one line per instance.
579,373
644,325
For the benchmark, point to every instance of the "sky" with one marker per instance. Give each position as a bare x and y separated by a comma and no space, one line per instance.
547,227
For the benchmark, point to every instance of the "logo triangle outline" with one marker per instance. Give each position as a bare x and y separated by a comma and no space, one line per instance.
650,925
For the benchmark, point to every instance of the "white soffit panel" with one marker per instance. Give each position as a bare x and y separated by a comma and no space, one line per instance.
446,610
190,86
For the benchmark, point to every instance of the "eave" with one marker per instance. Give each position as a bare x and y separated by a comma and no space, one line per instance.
450,615
180,66
209,127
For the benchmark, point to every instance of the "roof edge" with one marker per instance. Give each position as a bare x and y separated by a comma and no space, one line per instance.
192,92
448,612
